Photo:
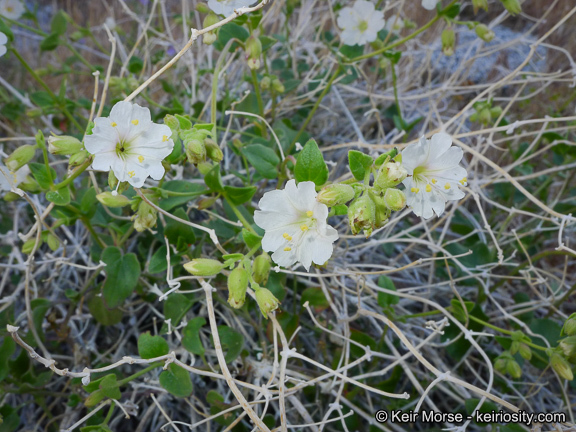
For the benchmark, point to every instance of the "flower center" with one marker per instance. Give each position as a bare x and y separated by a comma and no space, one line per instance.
363,26
122,148
9,9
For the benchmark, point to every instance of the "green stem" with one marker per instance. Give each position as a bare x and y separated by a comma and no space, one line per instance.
178,194
240,216
110,411
90,228
45,86
139,373
258,93
396,98
504,331
315,107
74,174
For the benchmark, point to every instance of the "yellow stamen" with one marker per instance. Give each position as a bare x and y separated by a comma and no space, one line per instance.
141,159
428,188
287,236
447,186
309,213
434,181
135,122
287,249
131,174
414,190
114,124
463,181
164,138
304,227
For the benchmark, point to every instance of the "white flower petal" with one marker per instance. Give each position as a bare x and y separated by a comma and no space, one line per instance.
364,8
429,4
3,39
3,50
104,161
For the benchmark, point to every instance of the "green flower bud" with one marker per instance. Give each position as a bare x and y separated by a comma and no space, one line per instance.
561,366
195,151
209,38
210,20
253,47
78,158
484,33
213,151
514,347
94,398
237,285
261,268
29,184
266,300
253,64
145,217
568,346
20,157
448,41
484,116
525,351
362,215
395,199
512,6
480,4
113,199
500,364
495,112
569,327
173,123
203,8
278,86
513,369
204,267
64,145
265,83
389,175
205,167
205,203
382,211
335,194
11,197
53,242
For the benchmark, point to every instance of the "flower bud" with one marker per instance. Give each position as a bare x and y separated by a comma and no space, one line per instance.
500,364
568,346
205,203
203,8
237,285
213,151
561,366
389,175
210,37
64,145
173,123
484,116
525,351
382,211
111,200
395,199
20,157
278,86
362,215
261,268
335,194
480,4
484,33
195,151
253,64
266,300
253,47
495,112
204,267
53,242
512,6
265,83
569,327
205,167
78,158
145,217
448,41
513,369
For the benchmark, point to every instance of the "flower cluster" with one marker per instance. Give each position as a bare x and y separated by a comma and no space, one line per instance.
360,23
129,143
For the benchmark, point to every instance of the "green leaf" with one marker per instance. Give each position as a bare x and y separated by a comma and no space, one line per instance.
178,233
109,386
386,299
40,173
89,202
135,65
451,11
102,313
42,99
59,23
191,336
39,308
122,273
231,31
6,350
95,428
10,419
263,159
458,311
177,381
310,165
231,341
184,121
359,163
182,187
239,195
158,262
152,346
250,238
50,42
213,179
316,298
267,42
176,306
59,197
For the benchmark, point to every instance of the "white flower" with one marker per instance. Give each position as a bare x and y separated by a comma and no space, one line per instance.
227,7
295,225
429,4
434,174
360,23
9,179
11,9
129,143
3,41
395,25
